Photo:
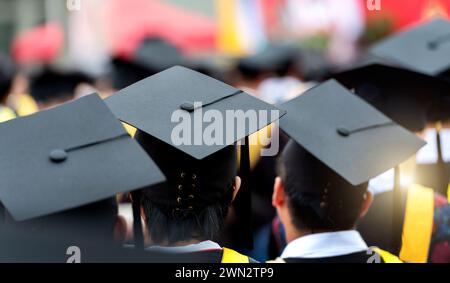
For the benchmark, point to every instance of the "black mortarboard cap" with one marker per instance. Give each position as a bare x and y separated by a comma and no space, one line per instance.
156,55
346,134
423,48
52,84
409,98
68,156
149,105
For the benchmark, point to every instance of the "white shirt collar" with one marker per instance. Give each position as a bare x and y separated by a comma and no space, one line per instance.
202,246
325,245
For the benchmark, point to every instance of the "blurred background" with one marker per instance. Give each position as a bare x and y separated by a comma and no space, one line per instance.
53,51
272,49
85,34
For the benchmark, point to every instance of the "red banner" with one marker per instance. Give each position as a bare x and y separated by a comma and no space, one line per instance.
410,12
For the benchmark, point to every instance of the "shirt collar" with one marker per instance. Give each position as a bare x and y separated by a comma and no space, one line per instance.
325,245
202,246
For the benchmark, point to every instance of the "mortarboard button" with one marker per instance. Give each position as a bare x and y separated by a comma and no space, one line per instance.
58,155
188,106
343,131
435,44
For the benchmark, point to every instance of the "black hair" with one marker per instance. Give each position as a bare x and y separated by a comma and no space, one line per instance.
193,202
337,210
201,224
4,90
7,72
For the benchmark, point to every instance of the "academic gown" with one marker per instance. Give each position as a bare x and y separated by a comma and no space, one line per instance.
204,252
380,215
333,247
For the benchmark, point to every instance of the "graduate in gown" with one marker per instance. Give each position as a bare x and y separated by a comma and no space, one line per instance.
58,183
321,189
186,215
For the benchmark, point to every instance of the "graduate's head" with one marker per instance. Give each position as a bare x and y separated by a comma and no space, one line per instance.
310,197
193,203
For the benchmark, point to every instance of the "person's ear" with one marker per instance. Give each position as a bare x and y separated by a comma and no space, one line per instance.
236,187
120,230
367,202
278,196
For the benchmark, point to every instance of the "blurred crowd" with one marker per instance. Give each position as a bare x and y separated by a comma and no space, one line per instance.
31,81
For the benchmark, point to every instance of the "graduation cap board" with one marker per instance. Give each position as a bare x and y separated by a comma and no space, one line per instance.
424,48
345,133
68,156
150,104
